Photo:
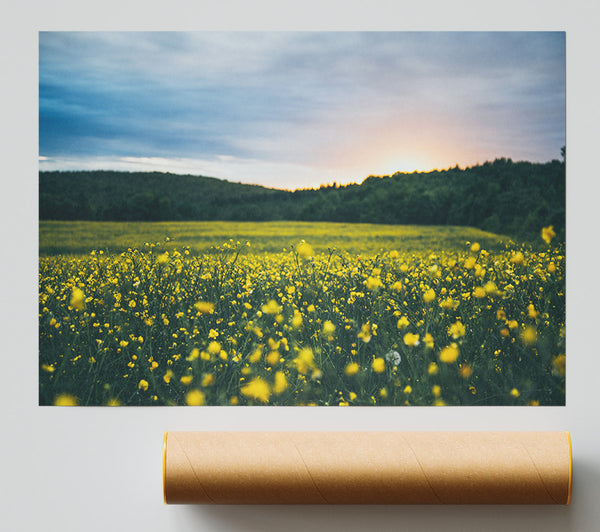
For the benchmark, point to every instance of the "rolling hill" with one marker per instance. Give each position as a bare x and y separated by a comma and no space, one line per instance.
516,198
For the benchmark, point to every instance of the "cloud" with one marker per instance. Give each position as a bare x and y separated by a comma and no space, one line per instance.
321,101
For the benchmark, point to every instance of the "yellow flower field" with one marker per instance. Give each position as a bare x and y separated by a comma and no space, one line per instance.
432,321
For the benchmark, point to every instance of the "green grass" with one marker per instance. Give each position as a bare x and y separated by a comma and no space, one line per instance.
76,238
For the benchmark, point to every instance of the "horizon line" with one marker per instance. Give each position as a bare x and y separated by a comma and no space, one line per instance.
333,183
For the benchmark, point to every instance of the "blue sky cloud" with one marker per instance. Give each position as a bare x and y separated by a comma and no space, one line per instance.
299,109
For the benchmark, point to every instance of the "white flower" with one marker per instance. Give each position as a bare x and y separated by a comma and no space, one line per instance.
393,357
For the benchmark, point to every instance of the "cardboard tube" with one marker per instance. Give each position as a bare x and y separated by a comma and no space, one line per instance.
367,467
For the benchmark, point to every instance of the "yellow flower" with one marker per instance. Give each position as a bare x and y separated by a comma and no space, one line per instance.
378,365
449,354
48,368
402,323
256,355
113,402
517,258
204,307
470,263
212,334
214,348
479,292
328,328
429,295
436,390
365,333
373,283
532,313
352,369
273,358
143,385
305,250
281,383
411,339
490,288
383,393
65,399
449,303
475,247
428,340
186,379
195,398
208,380
456,330
305,360
408,390
548,233
465,371
559,364
528,335
258,389
515,393
77,299
274,344
297,319
272,307
397,286
194,354
168,376
433,368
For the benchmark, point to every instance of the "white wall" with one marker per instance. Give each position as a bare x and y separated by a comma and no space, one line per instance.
88,469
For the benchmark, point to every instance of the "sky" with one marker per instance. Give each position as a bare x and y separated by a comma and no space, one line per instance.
298,109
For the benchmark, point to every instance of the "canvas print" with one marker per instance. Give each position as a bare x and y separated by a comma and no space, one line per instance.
302,218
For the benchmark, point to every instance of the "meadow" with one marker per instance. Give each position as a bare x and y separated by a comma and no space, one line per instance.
77,238
293,313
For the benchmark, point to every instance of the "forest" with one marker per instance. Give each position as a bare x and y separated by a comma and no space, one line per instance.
503,196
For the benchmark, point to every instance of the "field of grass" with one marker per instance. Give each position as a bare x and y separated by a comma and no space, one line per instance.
189,314
271,237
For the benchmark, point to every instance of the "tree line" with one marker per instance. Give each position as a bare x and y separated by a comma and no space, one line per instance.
513,198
